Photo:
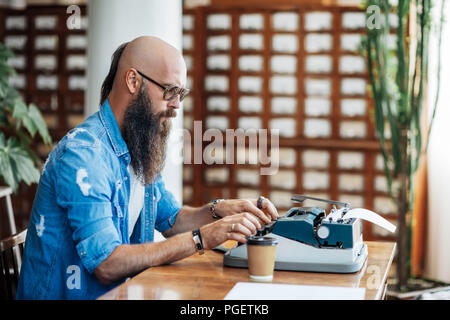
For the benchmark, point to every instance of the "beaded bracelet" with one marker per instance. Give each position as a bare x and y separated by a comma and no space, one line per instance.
212,208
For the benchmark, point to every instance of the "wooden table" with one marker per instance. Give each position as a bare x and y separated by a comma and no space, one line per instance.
205,278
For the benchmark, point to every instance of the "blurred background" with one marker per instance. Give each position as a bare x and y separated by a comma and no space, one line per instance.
296,66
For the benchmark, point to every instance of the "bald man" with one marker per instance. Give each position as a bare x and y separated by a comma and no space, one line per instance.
101,196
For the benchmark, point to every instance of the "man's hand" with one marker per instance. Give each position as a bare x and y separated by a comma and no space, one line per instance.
232,227
230,207
236,215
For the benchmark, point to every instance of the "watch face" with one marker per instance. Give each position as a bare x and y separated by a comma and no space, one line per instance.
198,244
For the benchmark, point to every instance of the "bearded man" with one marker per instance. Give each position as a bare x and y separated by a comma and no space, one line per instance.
101,196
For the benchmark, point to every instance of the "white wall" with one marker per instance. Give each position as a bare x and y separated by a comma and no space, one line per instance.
113,22
437,264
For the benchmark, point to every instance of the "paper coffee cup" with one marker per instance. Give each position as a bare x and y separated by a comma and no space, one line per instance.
261,257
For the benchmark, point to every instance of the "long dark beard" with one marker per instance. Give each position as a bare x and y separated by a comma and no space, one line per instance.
146,137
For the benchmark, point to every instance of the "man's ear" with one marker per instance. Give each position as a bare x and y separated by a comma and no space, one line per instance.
132,80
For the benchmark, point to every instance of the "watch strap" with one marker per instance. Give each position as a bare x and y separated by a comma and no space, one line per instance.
197,237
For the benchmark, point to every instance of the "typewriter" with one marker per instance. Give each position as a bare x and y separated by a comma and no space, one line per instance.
311,240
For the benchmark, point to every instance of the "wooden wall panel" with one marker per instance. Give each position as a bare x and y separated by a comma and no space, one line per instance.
301,154
50,63
332,151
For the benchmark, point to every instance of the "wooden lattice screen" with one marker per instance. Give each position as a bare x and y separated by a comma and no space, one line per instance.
50,60
298,70
294,68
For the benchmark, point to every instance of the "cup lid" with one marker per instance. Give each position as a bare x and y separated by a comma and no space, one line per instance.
261,241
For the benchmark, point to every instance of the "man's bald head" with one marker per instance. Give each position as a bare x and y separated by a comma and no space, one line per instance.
155,58
149,55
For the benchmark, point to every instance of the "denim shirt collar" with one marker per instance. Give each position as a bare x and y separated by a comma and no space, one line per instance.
112,129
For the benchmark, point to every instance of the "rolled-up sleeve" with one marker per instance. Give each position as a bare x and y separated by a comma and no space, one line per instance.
167,209
84,190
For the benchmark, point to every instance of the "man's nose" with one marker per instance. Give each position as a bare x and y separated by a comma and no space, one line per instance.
174,103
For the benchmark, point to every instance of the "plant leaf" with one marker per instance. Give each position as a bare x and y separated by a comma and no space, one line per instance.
22,165
2,140
16,164
21,113
5,165
40,124
5,52
6,170
20,109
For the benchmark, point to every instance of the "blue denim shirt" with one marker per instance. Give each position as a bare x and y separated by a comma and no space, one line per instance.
80,212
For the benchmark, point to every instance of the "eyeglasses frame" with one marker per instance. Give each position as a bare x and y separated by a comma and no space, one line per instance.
167,88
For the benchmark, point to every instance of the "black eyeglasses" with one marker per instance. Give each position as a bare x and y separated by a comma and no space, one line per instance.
170,91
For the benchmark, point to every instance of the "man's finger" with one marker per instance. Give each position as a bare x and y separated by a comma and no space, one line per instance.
269,206
250,207
252,221
242,229
236,236
246,219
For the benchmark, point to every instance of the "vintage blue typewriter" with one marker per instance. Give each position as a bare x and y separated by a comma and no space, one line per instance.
310,240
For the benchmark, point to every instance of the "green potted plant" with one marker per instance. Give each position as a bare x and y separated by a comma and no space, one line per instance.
398,77
20,125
